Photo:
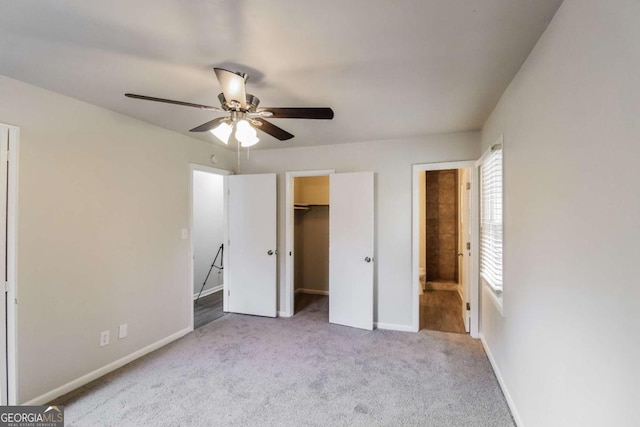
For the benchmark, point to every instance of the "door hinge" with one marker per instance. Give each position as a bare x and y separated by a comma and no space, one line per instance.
468,306
289,253
6,287
468,186
468,246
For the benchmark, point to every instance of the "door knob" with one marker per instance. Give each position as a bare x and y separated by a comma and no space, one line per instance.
367,259
270,252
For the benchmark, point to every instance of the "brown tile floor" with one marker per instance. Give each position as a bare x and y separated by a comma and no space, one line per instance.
441,311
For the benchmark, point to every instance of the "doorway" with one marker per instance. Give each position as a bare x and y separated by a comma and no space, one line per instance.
311,241
444,232
349,266
9,138
444,240
208,229
307,201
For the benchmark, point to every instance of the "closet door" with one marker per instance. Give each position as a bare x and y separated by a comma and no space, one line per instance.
251,244
351,250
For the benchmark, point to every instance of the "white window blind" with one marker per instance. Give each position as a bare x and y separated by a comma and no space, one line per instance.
491,219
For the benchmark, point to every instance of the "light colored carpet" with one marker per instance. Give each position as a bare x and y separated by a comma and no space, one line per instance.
301,371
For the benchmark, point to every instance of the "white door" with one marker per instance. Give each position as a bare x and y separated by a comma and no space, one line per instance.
4,147
464,242
251,244
351,250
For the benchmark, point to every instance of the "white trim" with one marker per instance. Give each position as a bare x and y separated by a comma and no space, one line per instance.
87,378
196,167
474,299
288,231
209,291
283,314
495,299
393,327
225,254
209,169
499,144
311,291
503,385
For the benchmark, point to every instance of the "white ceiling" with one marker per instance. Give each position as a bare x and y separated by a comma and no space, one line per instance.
389,69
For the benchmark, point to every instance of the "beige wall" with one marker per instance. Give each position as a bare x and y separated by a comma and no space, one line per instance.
391,161
311,190
567,347
311,249
102,200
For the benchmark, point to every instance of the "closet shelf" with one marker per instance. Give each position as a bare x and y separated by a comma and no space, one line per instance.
307,206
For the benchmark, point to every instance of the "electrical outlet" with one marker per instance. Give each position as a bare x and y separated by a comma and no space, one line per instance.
122,331
104,338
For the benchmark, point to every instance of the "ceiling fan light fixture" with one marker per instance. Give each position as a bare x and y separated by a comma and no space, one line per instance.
222,132
249,142
246,134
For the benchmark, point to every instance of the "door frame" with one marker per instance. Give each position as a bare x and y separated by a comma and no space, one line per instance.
223,172
12,263
474,286
289,231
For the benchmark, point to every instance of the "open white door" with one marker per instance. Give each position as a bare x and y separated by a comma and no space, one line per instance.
464,242
251,245
4,147
351,250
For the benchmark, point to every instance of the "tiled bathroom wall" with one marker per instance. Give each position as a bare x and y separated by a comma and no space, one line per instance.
442,225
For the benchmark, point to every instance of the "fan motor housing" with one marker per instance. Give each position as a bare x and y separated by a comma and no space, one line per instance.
252,103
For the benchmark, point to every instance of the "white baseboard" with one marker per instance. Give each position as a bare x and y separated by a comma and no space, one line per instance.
503,386
393,327
311,291
87,378
283,314
208,291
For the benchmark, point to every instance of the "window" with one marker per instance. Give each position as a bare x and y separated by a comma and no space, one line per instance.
491,218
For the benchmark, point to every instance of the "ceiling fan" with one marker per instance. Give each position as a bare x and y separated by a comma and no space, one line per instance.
242,112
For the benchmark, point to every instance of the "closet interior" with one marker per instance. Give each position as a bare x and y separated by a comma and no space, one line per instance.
311,240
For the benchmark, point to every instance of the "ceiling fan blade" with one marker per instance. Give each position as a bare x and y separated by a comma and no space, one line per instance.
300,113
273,130
170,101
232,85
209,125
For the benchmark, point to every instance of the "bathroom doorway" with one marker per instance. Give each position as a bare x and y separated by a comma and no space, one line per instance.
443,227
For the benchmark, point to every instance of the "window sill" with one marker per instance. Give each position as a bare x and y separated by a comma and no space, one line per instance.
495,297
